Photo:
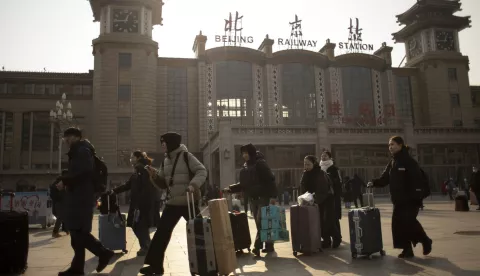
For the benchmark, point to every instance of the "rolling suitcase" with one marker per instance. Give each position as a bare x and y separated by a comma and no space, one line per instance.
365,231
305,227
112,229
240,228
13,239
201,253
461,202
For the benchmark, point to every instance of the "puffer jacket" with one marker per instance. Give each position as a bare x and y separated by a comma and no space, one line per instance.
181,177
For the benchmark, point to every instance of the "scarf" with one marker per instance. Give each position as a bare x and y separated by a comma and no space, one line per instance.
326,164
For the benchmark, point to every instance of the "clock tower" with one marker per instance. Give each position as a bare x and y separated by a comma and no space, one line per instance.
430,34
124,115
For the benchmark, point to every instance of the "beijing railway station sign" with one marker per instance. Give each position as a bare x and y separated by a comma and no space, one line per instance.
296,37
233,32
355,41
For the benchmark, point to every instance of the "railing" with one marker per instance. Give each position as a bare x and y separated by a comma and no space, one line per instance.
364,130
290,130
446,130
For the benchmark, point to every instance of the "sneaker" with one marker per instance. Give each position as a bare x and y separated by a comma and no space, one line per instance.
104,260
268,250
56,235
150,270
406,253
427,246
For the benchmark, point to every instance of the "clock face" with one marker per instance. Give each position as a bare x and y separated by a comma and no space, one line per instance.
414,47
125,21
445,40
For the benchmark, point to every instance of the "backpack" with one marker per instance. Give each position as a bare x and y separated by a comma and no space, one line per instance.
100,175
423,191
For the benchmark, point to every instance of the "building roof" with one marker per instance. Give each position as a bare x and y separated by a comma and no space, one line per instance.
46,75
422,6
155,5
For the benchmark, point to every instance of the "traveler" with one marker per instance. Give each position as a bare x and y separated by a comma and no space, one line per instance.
326,164
142,210
79,203
475,183
314,180
404,175
258,184
176,205
57,197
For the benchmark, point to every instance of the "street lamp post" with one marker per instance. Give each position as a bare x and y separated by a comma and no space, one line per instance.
60,117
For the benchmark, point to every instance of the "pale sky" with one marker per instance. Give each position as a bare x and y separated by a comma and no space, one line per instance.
57,34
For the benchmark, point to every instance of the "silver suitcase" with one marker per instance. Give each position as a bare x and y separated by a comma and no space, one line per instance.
201,253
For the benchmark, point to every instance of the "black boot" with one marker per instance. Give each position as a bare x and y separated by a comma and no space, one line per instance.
406,253
427,246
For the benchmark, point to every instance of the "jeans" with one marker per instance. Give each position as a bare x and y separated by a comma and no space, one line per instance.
256,206
81,240
169,219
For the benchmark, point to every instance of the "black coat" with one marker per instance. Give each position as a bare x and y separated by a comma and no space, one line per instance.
79,192
357,183
57,197
402,173
475,182
334,174
316,181
142,197
256,180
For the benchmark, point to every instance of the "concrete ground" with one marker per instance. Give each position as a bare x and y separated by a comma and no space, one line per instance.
456,251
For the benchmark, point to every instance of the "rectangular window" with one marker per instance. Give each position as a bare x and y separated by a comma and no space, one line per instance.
40,89
124,93
124,125
12,88
124,60
50,89
3,88
452,74
77,89
29,89
457,123
87,90
26,131
455,100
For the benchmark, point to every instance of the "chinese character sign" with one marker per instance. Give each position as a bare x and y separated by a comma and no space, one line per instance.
296,27
229,21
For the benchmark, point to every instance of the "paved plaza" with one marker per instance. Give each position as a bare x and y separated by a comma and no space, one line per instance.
456,248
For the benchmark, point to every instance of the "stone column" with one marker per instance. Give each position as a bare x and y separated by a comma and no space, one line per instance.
227,153
385,52
378,98
259,111
323,142
17,143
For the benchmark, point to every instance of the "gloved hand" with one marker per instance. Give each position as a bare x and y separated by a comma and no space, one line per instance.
369,184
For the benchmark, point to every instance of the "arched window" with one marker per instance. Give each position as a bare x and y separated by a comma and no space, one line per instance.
298,94
234,87
358,96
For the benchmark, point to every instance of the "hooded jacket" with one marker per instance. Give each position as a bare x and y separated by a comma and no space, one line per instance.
256,177
181,176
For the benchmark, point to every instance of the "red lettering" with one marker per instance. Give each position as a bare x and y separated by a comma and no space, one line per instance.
335,108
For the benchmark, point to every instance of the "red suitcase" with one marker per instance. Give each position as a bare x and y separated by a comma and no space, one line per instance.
13,238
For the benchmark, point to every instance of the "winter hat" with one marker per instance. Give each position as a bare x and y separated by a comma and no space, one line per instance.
172,140
250,149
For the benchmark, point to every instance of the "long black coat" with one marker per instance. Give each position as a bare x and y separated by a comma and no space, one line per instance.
316,181
401,173
142,197
334,174
475,182
79,192
58,200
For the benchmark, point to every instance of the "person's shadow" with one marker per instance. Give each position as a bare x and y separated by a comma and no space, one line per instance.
444,265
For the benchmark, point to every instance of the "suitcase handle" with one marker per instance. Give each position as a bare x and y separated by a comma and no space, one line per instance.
11,194
191,206
368,191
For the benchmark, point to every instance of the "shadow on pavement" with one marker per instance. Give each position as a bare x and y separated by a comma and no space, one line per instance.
443,264
40,232
41,243
91,265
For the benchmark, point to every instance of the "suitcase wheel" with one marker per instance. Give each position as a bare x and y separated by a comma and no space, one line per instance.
295,253
382,253
125,251
354,255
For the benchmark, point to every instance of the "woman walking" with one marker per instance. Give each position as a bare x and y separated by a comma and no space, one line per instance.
142,210
401,174
314,180
334,174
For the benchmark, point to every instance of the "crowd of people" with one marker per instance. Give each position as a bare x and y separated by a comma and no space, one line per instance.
75,197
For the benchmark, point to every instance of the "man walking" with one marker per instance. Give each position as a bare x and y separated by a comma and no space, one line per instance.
79,203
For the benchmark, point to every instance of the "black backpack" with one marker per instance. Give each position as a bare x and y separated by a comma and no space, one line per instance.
423,191
100,175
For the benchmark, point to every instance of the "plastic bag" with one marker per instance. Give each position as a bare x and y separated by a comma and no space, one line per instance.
306,199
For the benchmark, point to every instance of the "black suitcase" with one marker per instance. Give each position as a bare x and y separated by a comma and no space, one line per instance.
13,239
240,231
365,232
